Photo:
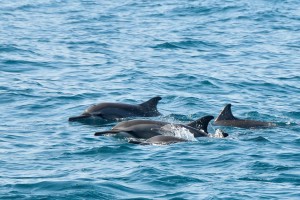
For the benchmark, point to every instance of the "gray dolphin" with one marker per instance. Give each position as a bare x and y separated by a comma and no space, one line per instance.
113,111
166,139
226,118
159,139
145,129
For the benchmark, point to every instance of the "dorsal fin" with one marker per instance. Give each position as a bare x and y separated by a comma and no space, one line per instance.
151,104
202,123
226,114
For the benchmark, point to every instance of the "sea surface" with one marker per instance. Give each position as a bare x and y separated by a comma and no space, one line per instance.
59,57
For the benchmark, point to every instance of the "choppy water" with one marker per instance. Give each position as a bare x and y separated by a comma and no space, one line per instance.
59,57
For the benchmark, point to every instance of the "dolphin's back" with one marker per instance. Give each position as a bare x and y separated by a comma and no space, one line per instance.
244,123
112,111
226,118
136,122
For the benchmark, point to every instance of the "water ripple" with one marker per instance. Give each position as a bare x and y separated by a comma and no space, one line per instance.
59,57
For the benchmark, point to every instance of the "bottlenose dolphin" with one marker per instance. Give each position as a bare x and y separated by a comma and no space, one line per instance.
159,139
167,139
226,118
145,129
113,111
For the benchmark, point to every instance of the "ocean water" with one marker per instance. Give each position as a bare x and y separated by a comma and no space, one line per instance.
59,57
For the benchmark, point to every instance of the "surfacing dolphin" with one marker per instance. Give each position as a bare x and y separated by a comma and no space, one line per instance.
159,140
226,118
146,129
113,111
167,139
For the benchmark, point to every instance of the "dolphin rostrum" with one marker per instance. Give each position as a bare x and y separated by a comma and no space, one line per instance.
226,118
113,111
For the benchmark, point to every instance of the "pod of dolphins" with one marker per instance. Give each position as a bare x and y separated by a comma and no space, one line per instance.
147,132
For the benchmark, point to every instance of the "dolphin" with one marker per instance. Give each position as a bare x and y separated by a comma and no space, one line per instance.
167,139
159,139
226,118
145,129
113,111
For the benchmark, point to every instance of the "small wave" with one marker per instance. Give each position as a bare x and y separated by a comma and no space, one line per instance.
177,180
124,189
146,172
258,139
287,178
23,6
14,49
62,190
258,165
194,10
281,178
199,45
46,185
167,45
294,114
21,65
297,142
253,114
104,150
175,195
208,83
295,156
187,77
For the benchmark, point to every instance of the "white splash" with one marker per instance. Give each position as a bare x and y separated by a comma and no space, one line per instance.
218,134
177,131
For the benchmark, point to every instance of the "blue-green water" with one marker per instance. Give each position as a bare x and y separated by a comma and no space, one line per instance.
59,57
